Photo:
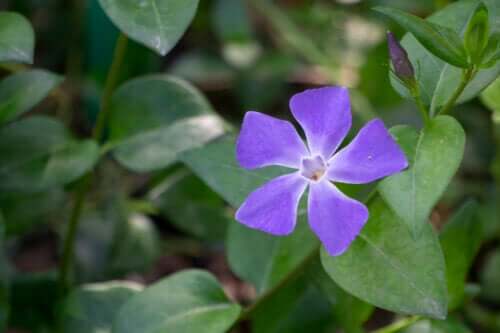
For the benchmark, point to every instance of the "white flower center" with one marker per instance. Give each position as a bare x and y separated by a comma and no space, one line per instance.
313,168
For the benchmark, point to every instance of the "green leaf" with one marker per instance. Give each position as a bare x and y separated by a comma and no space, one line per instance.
348,311
437,79
441,41
437,326
38,153
253,255
386,267
460,241
491,97
477,33
157,24
22,91
490,277
491,54
155,118
17,38
434,156
192,206
41,205
92,308
189,301
231,21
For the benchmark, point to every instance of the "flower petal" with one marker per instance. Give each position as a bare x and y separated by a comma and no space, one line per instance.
335,218
325,116
265,140
272,208
372,154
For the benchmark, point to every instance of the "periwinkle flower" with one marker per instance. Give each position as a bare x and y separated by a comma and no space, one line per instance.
325,116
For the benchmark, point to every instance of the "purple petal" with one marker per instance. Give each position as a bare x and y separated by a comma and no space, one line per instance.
325,116
272,208
265,141
372,154
334,218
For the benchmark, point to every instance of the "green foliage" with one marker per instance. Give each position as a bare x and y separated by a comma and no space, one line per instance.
155,118
20,92
460,241
17,39
38,153
491,97
388,268
437,79
157,24
413,193
189,301
490,277
477,33
92,308
437,326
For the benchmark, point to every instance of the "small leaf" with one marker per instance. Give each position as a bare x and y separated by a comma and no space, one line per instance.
460,241
17,38
92,308
155,118
434,156
386,267
477,33
22,91
491,54
38,153
189,301
441,41
491,97
156,24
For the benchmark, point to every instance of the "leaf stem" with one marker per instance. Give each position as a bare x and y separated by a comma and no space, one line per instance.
467,76
415,92
109,87
398,325
85,181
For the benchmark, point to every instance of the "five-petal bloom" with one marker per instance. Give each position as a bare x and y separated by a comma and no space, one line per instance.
325,116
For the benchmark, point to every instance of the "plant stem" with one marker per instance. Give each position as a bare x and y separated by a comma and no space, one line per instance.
111,81
467,76
85,181
415,92
400,324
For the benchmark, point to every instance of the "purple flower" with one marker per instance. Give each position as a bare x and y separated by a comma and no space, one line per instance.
325,116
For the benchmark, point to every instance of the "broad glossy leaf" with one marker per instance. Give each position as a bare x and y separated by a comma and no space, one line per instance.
437,79
460,241
17,38
386,267
22,91
41,205
441,41
434,156
157,24
189,301
92,308
38,153
437,326
491,97
155,118
255,256
192,206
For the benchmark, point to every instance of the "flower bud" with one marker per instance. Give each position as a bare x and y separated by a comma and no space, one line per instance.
400,62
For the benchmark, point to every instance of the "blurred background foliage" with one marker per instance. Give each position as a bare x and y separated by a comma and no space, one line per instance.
243,55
